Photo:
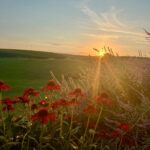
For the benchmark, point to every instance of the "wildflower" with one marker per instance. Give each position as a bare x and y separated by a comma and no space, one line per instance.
4,86
124,126
8,104
8,108
103,134
60,103
44,116
115,133
43,103
23,99
30,92
73,102
104,99
34,106
55,105
77,92
51,86
90,109
63,102
8,101
127,140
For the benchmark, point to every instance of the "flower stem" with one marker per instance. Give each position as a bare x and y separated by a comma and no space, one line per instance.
70,128
61,125
97,122
1,114
85,132
41,135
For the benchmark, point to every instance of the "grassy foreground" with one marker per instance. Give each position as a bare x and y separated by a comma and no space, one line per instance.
97,104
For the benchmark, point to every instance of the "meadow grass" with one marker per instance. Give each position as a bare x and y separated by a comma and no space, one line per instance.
97,103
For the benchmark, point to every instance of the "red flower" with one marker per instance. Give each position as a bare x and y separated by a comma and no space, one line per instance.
8,102
4,86
51,86
115,134
34,106
8,108
73,102
44,116
126,140
90,109
23,99
104,99
124,126
43,103
103,134
60,103
77,92
55,105
30,92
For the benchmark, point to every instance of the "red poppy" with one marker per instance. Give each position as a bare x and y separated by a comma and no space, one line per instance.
76,92
43,103
104,99
90,109
4,86
51,86
30,92
124,126
44,116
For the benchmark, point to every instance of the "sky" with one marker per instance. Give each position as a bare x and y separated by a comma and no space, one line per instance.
75,26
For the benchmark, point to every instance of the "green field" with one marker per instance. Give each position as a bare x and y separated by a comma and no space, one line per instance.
22,69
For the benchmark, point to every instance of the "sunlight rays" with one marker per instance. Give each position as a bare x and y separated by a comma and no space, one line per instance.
96,85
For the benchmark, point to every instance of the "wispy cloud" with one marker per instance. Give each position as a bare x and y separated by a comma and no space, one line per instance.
109,23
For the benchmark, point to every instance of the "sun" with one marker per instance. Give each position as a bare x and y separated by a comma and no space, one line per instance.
101,53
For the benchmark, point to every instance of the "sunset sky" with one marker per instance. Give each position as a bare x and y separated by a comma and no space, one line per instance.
75,26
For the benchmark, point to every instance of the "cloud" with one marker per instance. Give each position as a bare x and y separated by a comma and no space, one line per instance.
109,22
105,36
